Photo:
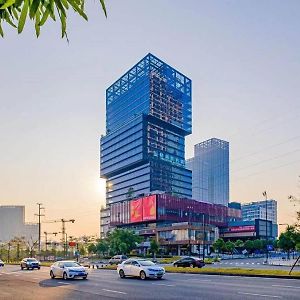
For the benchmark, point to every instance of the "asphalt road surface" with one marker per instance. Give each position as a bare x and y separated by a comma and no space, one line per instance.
249,263
106,284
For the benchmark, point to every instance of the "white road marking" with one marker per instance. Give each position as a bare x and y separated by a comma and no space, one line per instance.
35,278
63,282
163,284
286,286
112,291
260,295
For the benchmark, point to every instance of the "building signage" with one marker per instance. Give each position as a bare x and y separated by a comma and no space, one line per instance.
143,209
149,208
242,228
136,210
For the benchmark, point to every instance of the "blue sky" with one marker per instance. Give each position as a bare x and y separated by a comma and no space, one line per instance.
242,56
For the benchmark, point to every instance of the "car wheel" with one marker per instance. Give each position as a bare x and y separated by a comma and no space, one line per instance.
191,266
52,275
65,276
22,267
159,277
39,268
84,277
122,274
143,275
27,268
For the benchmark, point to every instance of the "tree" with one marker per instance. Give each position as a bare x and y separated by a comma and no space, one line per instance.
257,244
82,250
230,247
92,248
249,246
219,245
15,12
289,239
130,193
154,247
122,241
239,244
102,247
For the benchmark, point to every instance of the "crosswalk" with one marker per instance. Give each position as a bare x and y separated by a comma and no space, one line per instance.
238,263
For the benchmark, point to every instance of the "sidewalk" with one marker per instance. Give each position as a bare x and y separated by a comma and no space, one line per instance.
282,262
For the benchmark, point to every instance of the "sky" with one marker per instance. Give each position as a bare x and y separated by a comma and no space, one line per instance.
244,61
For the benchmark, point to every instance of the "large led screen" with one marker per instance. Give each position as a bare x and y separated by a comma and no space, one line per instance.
136,210
149,208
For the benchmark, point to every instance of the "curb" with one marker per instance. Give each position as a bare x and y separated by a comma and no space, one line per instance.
240,275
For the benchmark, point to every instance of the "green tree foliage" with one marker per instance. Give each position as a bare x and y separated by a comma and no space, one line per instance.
289,239
122,241
219,245
92,248
249,246
230,246
258,244
102,247
154,247
82,250
239,244
15,12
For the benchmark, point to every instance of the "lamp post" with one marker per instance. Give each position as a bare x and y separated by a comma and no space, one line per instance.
267,250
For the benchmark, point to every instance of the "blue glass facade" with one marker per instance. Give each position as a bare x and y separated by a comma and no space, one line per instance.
210,167
148,115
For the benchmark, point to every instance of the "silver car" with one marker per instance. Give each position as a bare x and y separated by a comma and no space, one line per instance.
68,269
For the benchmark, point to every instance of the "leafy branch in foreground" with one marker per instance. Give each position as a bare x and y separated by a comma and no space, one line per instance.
15,12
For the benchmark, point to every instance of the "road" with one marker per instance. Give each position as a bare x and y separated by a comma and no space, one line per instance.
105,284
249,263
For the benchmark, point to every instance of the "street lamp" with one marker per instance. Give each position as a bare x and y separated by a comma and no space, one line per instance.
203,250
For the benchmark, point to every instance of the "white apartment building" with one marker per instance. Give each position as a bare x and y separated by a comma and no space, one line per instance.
257,210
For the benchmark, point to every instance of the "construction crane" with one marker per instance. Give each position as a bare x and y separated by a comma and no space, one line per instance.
293,199
63,229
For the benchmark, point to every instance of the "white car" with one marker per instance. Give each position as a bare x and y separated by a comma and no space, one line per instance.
67,269
140,268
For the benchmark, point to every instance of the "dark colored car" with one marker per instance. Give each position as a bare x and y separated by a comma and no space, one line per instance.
30,263
191,262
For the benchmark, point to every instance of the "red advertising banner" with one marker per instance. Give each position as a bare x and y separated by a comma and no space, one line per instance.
136,210
149,208
242,228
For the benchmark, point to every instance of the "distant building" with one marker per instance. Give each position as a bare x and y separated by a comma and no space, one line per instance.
236,205
257,210
12,224
210,171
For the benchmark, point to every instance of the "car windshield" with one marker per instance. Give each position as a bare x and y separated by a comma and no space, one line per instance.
146,263
31,259
71,264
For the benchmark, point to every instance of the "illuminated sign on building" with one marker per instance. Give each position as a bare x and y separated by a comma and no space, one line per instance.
149,208
242,228
143,209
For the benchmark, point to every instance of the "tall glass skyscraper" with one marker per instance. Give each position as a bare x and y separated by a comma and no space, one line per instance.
148,115
210,167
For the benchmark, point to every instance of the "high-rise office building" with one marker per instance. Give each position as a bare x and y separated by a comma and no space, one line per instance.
210,168
148,115
259,209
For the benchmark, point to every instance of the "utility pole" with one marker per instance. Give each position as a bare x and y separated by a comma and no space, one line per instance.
203,225
40,215
267,250
46,237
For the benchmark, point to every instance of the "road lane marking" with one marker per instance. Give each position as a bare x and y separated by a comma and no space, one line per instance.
112,291
286,286
260,295
163,284
63,282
